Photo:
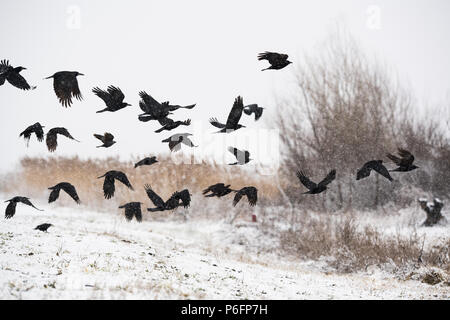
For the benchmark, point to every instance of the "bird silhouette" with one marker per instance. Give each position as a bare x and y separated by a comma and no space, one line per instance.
153,110
176,140
107,139
178,198
405,162
67,187
242,156
52,134
149,103
12,75
66,87
253,108
376,165
170,125
146,162
108,184
34,128
113,98
11,207
313,187
277,60
43,227
132,209
233,118
250,192
217,190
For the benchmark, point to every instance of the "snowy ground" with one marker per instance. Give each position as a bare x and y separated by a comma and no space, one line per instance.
89,255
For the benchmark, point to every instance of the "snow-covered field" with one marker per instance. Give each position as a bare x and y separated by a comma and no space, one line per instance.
90,255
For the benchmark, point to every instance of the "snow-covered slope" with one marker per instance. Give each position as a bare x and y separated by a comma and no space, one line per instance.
89,255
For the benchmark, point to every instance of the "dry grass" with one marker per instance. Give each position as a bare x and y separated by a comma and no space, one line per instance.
352,249
165,177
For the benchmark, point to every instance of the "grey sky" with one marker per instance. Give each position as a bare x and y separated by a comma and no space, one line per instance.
187,52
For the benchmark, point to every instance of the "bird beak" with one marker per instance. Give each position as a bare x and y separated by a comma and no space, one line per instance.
80,74
48,77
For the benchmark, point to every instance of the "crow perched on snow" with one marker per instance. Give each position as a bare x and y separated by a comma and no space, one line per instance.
178,198
12,75
170,124
176,140
313,187
217,190
51,140
253,108
11,207
242,156
277,60
405,162
146,162
376,165
34,128
132,209
250,192
113,98
43,227
67,187
108,184
65,85
233,118
107,139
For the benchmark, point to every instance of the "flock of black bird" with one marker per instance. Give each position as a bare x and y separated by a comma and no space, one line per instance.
65,85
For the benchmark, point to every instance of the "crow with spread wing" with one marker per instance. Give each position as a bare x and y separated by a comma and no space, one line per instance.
12,75
277,60
34,128
250,192
11,207
67,188
107,139
217,190
66,87
176,140
52,134
233,118
377,166
132,209
253,108
148,161
108,185
242,156
405,162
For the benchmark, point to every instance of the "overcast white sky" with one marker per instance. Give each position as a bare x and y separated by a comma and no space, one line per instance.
187,52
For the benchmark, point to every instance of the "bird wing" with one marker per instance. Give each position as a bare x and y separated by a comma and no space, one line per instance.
272,57
123,178
71,191
330,177
10,209
305,180
18,81
28,203
238,197
381,169
184,196
235,113
129,212
102,94
108,187
216,123
364,171
39,132
62,90
108,136
252,195
53,195
51,140
149,104
64,132
407,157
174,146
157,201
116,94
187,142
234,151
395,159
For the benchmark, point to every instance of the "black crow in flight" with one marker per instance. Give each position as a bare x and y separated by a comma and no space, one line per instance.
250,192
132,209
242,156
51,139
150,102
66,86
12,75
233,118
108,184
34,128
313,187
253,108
146,162
107,139
153,110
178,198
170,124
217,190
176,140
67,187
113,98
376,165
11,207
405,162
277,60
43,227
